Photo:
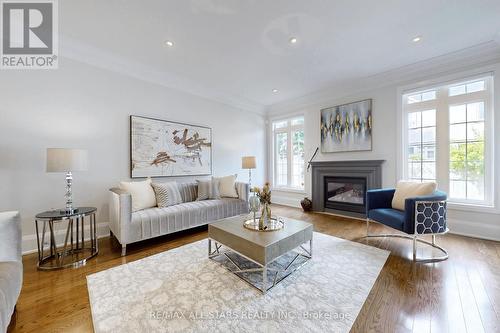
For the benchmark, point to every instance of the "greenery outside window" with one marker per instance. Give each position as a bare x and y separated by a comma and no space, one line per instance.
447,138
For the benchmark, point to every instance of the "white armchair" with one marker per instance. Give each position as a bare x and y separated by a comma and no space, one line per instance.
11,266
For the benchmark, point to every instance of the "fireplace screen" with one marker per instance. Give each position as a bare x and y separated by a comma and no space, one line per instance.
345,193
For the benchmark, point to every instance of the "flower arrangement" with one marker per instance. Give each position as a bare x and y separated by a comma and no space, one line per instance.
263,194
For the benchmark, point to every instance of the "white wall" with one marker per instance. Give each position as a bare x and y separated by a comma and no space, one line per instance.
85,107
386,143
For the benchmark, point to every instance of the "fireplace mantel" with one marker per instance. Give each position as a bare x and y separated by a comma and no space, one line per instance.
348,163
371,170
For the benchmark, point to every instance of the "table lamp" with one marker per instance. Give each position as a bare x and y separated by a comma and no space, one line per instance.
249,162
67,160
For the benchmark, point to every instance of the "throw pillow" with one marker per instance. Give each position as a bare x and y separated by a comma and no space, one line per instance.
167,194
189,191
208,189
142,194
405,190
227,187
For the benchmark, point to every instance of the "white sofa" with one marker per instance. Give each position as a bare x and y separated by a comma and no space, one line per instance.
11,266
130,227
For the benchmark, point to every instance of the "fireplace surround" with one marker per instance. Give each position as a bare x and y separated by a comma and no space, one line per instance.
339,187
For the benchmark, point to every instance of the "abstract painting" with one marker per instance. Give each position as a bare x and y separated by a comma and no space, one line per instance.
161,148
347,127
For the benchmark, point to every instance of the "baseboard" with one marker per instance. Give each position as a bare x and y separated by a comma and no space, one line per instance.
290,202
29,242
474,229
290,199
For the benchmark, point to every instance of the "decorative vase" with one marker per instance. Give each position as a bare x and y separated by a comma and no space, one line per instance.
306,204
254,204
265,215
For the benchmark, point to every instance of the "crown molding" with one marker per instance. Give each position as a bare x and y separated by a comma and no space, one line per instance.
76,50
476,56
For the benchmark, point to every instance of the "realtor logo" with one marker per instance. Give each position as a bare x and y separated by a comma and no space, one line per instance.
29,34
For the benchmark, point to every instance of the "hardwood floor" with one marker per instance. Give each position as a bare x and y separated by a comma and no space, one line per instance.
461,294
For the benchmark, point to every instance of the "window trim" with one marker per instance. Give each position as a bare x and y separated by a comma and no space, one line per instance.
289,129
440,85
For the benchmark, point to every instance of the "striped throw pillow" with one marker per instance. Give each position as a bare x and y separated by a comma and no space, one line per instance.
167,194
208,189
189,191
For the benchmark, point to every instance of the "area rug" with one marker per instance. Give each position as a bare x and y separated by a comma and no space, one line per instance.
181,290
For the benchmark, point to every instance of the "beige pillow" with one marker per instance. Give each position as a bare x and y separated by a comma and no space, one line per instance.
227,186
143,195
405,190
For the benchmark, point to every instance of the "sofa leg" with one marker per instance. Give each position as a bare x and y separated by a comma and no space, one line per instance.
124,250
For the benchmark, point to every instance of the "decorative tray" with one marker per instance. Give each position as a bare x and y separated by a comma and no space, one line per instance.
272,224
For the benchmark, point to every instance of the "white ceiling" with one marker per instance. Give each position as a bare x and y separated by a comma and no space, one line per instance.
241,47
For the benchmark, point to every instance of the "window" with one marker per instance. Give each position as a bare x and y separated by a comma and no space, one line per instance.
422,97
447,138
422,145
288,153
467,151
466,88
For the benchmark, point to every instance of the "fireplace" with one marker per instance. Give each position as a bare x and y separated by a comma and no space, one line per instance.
340,187
345,193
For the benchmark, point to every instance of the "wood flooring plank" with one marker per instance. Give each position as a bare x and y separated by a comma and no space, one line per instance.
470,310
422,299
456,320
439,320
404,293
489,317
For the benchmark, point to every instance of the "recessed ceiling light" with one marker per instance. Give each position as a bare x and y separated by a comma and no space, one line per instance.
417,39
293,40
169,43
275,90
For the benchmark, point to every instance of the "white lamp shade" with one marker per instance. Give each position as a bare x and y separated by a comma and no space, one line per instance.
248,162
65,160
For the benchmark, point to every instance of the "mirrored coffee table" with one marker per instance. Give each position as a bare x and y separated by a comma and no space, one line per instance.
262,259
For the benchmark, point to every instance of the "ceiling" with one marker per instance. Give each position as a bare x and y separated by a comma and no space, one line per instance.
242,48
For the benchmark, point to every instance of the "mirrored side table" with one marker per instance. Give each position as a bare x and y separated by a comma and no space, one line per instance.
76,249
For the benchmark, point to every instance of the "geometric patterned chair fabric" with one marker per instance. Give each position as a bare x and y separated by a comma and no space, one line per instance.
422,214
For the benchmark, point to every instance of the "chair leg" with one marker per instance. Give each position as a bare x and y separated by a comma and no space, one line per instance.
367,226
124,250
414,248
415,239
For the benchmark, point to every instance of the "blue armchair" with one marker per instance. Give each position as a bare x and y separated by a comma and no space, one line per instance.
422,215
